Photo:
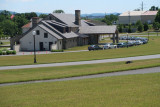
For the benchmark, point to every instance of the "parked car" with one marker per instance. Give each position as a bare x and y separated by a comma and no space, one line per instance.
109,46
138,42
144,41
94,47
122,44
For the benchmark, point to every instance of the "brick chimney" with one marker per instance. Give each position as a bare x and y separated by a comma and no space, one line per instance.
78,17
35,21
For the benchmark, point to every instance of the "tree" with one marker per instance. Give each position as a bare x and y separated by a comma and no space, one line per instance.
129,29
153,8
157,19
20,21
9,27
110,19
30,15
139,26
42,15
136,9
146,27
156,25
58,11
120,28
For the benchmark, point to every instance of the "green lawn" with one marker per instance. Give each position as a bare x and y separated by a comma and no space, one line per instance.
119,91
153,47
71,71
5,43
77,48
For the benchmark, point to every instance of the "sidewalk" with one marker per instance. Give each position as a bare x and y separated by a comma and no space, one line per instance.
43,52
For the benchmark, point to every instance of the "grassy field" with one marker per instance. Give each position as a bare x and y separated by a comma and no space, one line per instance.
78,48
5,43
71,71
120,91
153,47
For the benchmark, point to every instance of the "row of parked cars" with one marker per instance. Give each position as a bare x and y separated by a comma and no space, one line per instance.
102,46
131,42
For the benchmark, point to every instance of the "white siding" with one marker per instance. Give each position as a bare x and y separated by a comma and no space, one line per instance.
27,42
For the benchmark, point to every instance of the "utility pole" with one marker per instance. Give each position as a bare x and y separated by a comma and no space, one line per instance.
142,6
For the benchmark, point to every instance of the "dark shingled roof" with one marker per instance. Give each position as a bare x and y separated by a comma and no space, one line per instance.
50,31
69,19
98,29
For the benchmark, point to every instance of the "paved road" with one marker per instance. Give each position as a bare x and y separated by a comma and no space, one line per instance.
82,62
130,72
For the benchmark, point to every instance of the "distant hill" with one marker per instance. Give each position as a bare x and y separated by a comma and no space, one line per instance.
38,13
99,14
92,15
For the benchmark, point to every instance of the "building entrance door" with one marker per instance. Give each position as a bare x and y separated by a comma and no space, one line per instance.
41,46
50,43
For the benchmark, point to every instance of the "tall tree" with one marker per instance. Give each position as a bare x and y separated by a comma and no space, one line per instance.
58,11
30,15
146,27
153,8
42,15
110,19
9,27
157,19
139,26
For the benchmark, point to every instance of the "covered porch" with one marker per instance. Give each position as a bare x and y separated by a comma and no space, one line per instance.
94,32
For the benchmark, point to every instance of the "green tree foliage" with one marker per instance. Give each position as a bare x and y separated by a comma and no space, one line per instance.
129,28
28,16
156,25
9,27
153,8
139,26
20,20
58,11
110,19
42,15
157,19
120,27
12,27
146,27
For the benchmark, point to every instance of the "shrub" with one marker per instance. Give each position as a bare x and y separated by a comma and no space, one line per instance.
56,50
14,52
146,27
0,52
3,53
8,52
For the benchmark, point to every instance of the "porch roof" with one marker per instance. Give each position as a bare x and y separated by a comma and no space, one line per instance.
98,30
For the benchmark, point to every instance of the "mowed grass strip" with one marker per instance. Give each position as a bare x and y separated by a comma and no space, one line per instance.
20,75
153,47
118,91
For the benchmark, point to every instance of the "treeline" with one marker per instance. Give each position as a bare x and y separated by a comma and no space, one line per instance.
10,24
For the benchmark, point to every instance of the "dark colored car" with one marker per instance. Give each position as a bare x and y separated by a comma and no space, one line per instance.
121,45
94,47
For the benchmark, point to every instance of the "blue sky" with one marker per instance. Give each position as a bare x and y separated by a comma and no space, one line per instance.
86,6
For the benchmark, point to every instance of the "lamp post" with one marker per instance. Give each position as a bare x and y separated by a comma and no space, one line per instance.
34,34
127,40
148,35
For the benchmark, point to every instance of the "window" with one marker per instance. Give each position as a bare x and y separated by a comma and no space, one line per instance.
45,35
37,32
55,42
60,42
